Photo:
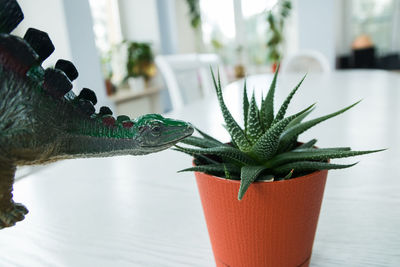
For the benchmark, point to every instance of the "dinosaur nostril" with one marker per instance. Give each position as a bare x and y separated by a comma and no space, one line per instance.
40,42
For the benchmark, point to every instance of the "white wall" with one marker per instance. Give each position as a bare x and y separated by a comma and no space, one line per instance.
342,29
139,21
69,25
186,34
316,27
83,49
48,16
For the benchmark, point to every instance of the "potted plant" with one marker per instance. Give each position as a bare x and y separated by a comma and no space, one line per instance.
261,193
140,66
276,22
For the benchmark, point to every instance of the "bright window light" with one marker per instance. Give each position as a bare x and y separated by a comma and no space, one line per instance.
253,7
217,18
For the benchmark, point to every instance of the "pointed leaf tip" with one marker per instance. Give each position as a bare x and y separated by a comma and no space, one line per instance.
237,133
282,110
248,174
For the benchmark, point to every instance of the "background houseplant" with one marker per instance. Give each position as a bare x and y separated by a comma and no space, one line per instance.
140,61
275,223
276,22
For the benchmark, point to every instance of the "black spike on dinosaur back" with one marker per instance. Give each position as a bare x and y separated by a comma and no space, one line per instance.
122,118
15,54
10,15
56,83
105,111
86,106
40,42
68,68
88,94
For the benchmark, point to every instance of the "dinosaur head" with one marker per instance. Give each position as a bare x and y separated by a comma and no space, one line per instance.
154,132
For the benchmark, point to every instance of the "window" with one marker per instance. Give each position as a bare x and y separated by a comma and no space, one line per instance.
256,29
218,27
378,20
108,37
239,33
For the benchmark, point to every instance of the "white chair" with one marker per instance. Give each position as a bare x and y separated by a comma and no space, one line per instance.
188,76
306,61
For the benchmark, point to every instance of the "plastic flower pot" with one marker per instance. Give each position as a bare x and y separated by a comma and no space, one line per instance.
273,225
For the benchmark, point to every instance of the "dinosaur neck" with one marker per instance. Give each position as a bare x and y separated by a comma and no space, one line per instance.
88,146
90,137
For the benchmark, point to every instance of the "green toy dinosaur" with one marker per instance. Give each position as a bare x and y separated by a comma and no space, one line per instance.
42,120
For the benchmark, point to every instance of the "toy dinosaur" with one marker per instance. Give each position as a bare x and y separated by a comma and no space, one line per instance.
42,120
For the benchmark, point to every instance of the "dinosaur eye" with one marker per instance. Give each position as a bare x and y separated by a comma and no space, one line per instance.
156,129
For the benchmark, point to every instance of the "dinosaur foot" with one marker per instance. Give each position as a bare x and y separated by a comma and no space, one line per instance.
13,213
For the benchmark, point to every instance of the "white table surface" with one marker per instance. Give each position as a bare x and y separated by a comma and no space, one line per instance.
137,211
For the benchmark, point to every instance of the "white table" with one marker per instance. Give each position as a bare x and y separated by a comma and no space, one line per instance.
137,211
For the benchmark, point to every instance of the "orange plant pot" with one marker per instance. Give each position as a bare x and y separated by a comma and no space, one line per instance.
273,225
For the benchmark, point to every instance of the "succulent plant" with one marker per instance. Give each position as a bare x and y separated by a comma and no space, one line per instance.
266,148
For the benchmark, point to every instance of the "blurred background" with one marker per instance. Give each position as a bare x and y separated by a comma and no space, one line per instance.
154,55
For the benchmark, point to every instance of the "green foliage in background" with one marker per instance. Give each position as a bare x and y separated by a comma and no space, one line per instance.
140,55
106,67
194,13
266,148
276,21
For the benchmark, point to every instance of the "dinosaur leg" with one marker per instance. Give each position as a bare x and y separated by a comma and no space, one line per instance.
10,212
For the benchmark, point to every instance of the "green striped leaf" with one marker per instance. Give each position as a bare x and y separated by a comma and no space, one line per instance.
317,155
232,175
289,145
215,168
299,118
267,104
282,111
312,149
237,134
254,129
288,175
267,144
292,133
248,174
198,141
204,159
309,144
229,153
209,138
245,106
307,166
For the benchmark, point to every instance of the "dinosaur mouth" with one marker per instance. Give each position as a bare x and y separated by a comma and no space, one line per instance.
188,132
166,144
